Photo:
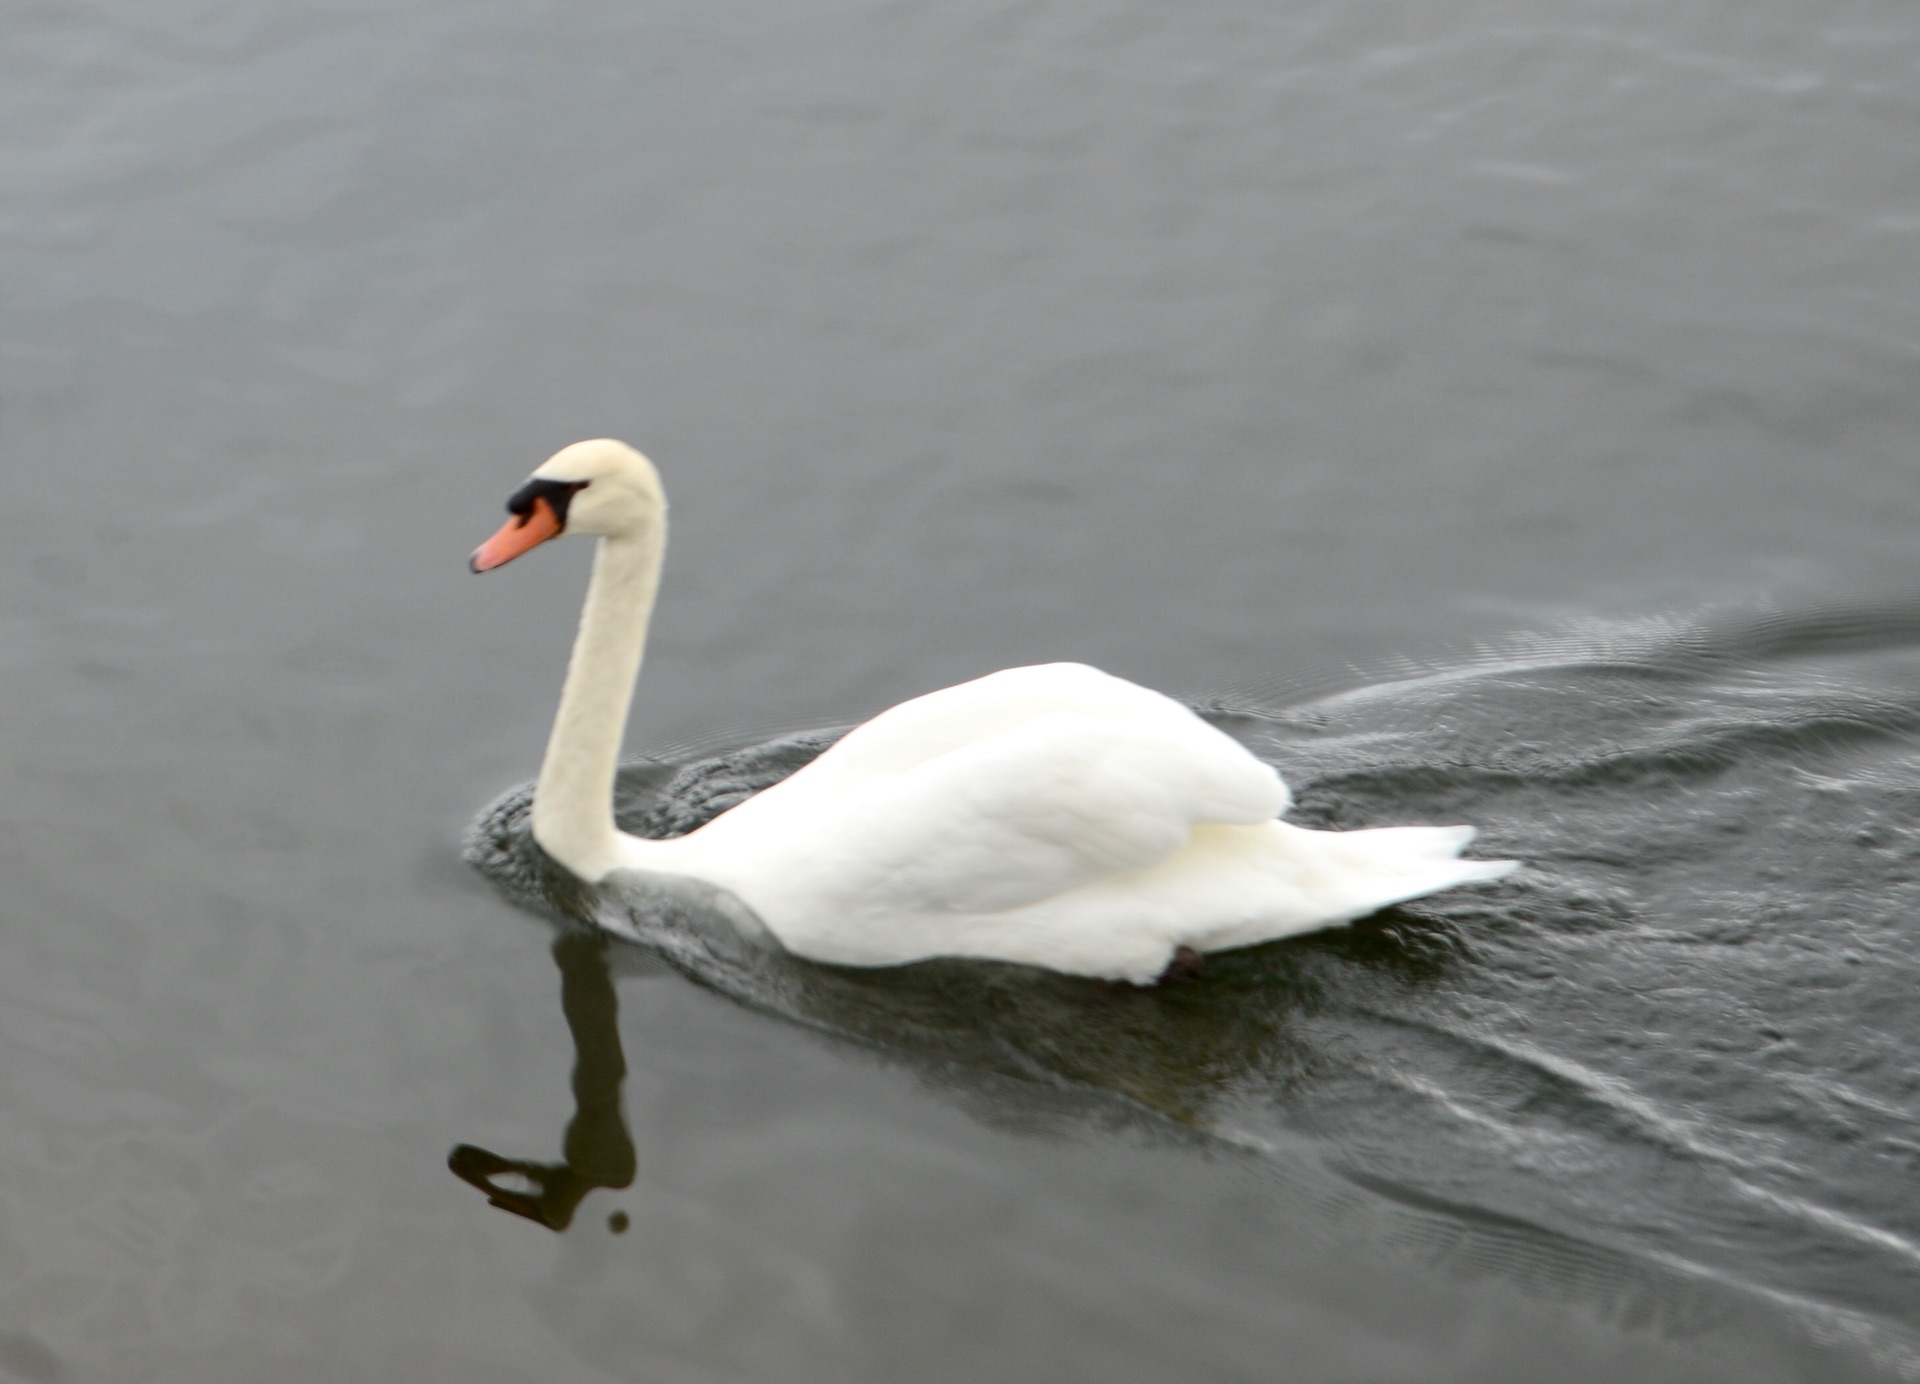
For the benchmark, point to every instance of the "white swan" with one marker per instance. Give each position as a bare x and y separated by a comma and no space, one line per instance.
1052,815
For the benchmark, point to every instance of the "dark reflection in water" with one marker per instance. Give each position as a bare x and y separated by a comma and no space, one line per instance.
1671,1058
597,1150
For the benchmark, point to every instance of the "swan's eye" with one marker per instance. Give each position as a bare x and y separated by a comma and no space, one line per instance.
557,494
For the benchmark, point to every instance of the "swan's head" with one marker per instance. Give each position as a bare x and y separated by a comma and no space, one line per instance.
600,487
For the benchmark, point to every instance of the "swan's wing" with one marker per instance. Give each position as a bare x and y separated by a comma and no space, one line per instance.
1059,801
927,727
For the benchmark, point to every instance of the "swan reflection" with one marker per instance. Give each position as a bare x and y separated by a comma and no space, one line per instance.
597,1150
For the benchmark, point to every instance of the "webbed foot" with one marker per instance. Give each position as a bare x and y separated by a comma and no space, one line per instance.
1187,964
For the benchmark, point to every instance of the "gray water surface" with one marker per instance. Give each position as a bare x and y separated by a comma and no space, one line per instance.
1285,357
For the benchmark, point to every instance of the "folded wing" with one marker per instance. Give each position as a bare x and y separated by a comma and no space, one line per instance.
1057,801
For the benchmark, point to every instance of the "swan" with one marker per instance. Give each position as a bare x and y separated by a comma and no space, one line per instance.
1052,815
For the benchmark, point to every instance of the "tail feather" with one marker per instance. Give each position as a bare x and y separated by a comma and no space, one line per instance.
1317,879
1386,844
1390,865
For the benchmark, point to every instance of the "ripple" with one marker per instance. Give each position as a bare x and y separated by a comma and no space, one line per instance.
1621,1074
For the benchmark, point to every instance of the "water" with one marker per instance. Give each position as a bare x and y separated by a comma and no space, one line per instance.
1680,1036
1501,419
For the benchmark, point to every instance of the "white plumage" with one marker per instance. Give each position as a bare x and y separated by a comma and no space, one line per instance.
1053,815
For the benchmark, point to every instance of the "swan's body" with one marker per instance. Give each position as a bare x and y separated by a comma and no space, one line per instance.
1052,815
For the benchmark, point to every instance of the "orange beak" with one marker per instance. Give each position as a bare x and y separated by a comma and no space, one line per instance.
516,536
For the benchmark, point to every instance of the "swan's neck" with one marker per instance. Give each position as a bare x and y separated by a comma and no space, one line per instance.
573,801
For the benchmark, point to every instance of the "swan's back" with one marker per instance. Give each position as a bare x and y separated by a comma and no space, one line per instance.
929,726
1058,760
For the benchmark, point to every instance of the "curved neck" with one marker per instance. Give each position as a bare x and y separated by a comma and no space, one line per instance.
573,801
